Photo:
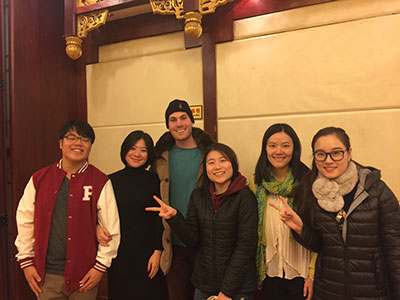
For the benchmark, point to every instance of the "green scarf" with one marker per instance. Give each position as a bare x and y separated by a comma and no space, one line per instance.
273,187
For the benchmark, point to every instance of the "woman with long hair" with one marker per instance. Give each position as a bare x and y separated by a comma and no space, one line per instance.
283,264
352,219
221,222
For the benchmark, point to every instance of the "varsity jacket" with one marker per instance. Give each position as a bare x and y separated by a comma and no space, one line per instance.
91,200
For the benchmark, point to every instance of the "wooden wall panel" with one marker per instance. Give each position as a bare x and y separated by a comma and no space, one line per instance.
42,95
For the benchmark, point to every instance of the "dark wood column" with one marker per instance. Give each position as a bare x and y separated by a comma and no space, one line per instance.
5,284
218,28
42,95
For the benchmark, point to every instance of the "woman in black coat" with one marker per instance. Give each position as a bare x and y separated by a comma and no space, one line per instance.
352,219
134,273
221,223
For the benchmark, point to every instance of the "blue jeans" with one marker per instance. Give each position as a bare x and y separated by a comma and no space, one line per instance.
201,295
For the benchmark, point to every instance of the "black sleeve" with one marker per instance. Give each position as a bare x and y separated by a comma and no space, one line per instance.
310,238
187,229
389,225
246,245
159,229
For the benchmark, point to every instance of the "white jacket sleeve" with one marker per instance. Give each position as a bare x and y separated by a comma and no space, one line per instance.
25,240
107,215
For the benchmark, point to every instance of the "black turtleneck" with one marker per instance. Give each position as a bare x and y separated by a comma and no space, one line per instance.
134,189
141,232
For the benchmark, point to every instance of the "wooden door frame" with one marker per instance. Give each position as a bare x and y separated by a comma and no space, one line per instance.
5,245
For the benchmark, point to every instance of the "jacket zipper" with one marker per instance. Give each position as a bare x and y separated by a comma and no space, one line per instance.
214,260
346,268
346,262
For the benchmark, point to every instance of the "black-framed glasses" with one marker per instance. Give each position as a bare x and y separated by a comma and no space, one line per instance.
336,155
73,138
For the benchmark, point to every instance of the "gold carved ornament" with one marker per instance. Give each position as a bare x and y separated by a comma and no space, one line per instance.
91,21
80,3
168,7
209,6
85,23
193,27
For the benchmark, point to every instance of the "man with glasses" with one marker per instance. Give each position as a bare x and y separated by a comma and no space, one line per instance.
57,217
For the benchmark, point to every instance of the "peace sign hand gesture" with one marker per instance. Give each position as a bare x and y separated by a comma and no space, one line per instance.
289,216
164,211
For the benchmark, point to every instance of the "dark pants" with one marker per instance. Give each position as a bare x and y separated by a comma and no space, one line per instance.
275,288
180,273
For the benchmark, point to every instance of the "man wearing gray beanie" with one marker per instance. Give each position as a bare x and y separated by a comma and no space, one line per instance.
178,159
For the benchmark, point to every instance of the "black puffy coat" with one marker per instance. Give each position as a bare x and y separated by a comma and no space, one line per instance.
361,259
226,241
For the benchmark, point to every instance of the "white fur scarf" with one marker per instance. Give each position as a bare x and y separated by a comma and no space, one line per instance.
329,192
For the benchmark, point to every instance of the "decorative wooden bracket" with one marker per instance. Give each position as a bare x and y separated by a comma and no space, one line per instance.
190,10
82,16
82,24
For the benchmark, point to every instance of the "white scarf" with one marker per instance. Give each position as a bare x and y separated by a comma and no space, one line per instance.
329,192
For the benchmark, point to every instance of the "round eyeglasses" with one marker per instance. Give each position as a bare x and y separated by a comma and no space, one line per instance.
336,155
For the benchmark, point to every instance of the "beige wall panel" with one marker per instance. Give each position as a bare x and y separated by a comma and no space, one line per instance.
138,90
374,136
141,47
346,66
314,15
105,152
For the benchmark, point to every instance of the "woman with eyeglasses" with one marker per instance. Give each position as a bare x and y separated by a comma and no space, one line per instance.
352,219
283,264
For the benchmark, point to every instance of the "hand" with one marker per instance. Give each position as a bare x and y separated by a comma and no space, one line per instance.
33,278
154,263
164,211
90,280
308,288
289,216
103,236
221,296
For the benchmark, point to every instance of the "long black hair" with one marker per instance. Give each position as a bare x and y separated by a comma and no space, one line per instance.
304,199
264,168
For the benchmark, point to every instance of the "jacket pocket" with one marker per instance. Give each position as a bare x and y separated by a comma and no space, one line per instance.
379,270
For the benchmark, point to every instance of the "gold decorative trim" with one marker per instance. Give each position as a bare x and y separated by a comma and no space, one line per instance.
193,27
209,6
80,3
73,47
88,22
168,7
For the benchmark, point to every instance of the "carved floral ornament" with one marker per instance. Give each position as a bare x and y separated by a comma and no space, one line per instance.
91,21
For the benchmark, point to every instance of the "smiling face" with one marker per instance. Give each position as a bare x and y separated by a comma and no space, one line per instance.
330,168
279,150
77,151
137,155
219,170
180,126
